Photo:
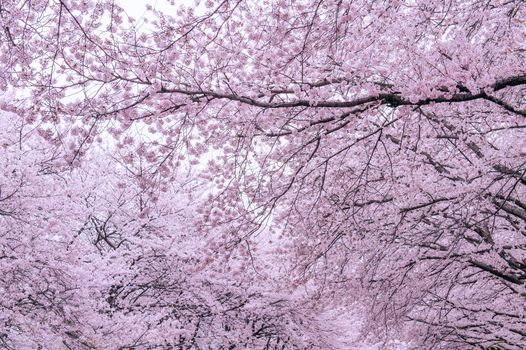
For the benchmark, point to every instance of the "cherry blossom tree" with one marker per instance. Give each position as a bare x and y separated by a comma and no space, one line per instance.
92,258
365,153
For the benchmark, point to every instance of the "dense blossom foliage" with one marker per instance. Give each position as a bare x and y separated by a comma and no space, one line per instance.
240,174
89,259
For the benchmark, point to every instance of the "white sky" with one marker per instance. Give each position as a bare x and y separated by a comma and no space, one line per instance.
137,8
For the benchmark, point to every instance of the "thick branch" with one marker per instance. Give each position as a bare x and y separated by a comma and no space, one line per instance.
391,99
497,273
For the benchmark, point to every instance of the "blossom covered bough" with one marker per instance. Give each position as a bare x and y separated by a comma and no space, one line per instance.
365,159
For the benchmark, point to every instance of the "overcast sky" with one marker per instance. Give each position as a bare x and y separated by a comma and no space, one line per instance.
137,8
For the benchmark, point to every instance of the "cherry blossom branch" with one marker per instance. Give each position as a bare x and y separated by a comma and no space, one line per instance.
391,99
